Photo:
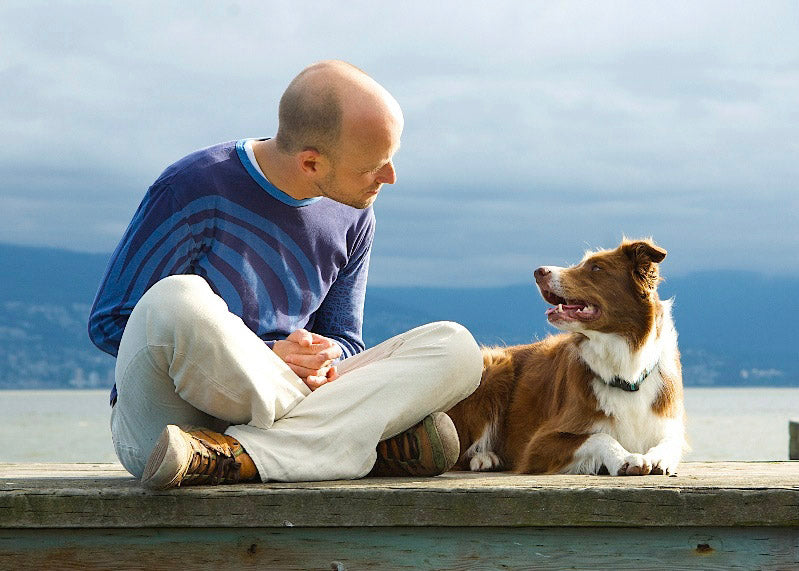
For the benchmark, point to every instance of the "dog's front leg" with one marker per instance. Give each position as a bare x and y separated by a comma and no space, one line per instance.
601,449
549,451
666,455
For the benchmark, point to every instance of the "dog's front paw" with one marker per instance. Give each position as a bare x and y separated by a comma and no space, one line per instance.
483,461
635,465
662,466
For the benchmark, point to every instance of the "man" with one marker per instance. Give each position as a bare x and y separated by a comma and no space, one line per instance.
234,305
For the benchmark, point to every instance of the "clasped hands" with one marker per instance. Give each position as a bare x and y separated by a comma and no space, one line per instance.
310,356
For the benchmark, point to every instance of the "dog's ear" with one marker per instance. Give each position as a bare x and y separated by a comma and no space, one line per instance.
644,251
645,256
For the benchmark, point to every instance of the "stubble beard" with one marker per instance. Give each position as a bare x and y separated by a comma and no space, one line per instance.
328,189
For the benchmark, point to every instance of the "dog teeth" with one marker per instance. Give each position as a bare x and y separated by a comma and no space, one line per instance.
560,307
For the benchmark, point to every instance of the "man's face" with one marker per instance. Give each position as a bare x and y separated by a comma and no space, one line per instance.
363,163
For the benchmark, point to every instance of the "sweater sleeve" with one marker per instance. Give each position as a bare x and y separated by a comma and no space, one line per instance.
157,243
340,316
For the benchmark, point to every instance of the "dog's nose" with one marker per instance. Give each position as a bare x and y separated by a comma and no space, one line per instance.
541,272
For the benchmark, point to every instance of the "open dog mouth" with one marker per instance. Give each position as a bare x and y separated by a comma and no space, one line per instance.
568,309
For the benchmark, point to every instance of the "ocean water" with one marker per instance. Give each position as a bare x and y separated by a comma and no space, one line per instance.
73,426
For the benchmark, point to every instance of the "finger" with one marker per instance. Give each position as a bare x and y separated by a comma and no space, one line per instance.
330,353
332,374
322,340
314,362
301,337
317,343
335,351
302,372
314,382
325,353
295,348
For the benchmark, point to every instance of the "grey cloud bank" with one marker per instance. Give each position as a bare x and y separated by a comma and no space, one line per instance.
533,130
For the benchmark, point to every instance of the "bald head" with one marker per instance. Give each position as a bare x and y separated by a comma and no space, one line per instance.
327,99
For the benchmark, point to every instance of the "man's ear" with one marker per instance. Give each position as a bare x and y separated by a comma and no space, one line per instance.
312,163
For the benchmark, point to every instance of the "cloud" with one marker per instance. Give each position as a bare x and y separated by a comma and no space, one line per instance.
532,128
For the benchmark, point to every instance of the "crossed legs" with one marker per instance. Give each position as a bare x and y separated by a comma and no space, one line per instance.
185,359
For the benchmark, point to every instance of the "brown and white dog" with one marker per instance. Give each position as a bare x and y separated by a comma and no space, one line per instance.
604,395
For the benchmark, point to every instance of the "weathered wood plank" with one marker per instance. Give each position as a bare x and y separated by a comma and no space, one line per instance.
402,548
703,494
708,474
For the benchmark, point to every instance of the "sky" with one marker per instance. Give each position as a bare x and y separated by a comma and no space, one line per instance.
533,130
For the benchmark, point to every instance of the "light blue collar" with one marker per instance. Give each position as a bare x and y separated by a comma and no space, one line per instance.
262,181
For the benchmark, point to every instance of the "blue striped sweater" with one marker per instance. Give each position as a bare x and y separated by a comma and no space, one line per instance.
279,263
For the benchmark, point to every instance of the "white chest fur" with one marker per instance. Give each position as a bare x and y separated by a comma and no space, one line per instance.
631,420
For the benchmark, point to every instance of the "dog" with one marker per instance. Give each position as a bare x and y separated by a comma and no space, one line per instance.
603,396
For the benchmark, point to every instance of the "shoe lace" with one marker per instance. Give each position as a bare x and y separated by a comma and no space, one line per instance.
211,463
402,449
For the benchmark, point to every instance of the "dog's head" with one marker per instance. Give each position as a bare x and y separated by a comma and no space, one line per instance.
611,291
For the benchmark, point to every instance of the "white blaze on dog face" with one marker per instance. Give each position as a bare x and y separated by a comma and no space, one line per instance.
611,291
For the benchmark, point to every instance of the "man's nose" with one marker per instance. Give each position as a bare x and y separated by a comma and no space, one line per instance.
387,175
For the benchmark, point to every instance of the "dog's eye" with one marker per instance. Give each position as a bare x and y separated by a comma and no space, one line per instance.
595,267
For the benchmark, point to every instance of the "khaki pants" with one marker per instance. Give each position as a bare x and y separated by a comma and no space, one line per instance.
185,359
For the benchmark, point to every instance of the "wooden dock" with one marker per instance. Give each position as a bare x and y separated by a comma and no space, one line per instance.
721,515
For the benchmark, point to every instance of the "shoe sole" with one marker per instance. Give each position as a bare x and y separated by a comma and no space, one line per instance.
166,465
445,449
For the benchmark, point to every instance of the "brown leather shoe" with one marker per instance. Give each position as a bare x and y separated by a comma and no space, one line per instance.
429,448
189,456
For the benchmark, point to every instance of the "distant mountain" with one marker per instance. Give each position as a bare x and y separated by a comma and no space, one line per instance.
45,297
736,328
49,275
496,316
